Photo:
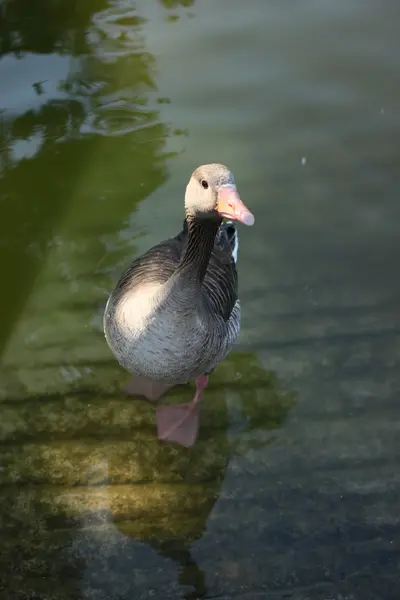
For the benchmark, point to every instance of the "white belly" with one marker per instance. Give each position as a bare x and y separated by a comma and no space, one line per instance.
151,340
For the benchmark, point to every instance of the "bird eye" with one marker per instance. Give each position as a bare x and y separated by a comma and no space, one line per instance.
204,184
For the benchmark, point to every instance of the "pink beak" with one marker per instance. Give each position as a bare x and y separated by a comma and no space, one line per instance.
230,205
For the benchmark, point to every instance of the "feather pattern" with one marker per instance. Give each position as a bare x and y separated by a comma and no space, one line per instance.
175,313
220,285
203,343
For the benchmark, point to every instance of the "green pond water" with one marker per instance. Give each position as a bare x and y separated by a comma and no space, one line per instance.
293,489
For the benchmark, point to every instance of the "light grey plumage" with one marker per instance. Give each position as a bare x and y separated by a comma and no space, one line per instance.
175,313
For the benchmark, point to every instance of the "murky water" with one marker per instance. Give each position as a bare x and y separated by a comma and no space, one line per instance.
293,488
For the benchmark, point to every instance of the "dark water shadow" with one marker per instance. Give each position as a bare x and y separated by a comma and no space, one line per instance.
83,475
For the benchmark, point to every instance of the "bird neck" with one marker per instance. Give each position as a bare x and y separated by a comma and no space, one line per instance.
200,243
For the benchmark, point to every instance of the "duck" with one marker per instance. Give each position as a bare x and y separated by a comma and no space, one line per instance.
174,313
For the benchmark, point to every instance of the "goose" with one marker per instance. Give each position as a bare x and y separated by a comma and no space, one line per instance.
175,313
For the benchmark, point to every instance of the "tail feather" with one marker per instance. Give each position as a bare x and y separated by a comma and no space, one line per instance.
233,238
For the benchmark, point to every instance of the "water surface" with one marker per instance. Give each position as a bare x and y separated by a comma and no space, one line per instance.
292,490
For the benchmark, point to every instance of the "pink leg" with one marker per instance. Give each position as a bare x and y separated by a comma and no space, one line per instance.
151,390
180,422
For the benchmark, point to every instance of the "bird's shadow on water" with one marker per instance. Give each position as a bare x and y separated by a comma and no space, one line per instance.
85,478
259,407
260,404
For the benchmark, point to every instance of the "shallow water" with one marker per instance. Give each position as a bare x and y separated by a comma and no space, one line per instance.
292,490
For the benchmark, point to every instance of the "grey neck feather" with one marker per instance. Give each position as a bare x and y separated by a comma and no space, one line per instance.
201,238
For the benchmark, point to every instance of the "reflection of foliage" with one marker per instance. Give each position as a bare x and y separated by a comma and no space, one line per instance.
46,26
53,121
176,3
99,98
